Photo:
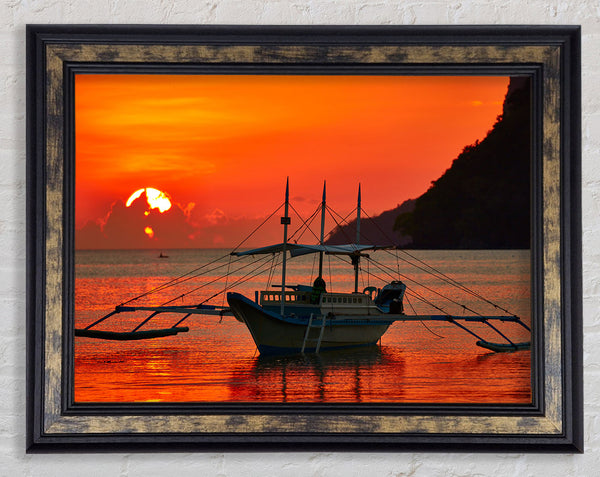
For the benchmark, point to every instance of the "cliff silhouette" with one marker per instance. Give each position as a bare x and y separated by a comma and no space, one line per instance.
480,202
483,200
378,230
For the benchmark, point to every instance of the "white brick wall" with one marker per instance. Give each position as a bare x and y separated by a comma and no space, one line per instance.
14,14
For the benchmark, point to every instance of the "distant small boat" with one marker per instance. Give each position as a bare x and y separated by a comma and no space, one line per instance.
304,318
162,255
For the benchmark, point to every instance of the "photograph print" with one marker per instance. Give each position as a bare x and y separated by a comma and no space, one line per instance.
299,238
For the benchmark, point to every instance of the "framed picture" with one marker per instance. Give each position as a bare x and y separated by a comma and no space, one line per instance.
294,238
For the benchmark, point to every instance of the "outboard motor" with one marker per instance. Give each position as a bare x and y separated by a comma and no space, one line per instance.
391,297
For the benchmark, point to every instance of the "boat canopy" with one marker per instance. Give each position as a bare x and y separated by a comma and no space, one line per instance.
300,249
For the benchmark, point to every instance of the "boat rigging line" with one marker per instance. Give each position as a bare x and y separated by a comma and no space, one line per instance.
371,313
226,280
305,224
265,261
257,228
176,280
434,271
381,266
189,275
422,322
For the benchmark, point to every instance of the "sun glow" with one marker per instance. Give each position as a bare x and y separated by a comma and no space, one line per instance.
134,196
156,199
149,232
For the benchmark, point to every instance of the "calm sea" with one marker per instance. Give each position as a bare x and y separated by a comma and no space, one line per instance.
217,361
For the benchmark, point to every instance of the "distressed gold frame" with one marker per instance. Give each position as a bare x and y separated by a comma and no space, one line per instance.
549,54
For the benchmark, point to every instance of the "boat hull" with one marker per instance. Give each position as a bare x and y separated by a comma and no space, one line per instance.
274,334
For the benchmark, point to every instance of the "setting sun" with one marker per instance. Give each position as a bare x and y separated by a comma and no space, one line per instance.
156,199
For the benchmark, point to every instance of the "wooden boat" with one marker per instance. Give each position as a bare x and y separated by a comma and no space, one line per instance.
307,318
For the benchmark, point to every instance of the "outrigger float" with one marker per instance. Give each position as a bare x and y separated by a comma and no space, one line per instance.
288,319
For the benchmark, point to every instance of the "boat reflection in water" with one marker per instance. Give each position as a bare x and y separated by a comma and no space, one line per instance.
331,376
385,374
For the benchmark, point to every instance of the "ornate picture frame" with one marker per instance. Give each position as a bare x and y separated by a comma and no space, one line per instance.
549,55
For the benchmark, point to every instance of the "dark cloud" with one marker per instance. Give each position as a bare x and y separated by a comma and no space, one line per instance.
299,199
124,227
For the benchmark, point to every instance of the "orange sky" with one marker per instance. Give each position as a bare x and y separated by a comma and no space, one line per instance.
222,146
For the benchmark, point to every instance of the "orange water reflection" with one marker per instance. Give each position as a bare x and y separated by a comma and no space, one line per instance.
217,361
133,373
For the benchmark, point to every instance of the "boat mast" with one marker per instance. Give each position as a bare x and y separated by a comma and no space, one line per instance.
322,230
356,258
285,220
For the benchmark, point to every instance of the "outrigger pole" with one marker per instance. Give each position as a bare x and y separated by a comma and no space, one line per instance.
136,334
483,343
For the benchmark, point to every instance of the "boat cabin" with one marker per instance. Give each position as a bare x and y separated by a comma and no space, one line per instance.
387,300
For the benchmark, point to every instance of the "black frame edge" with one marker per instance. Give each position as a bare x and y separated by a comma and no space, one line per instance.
572,228
36,441
35,230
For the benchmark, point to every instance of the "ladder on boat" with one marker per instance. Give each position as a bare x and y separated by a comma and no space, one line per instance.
310,326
